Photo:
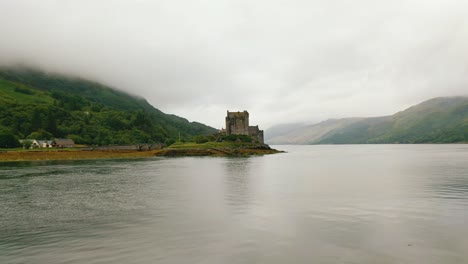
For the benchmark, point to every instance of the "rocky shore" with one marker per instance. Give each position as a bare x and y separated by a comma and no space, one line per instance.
218,151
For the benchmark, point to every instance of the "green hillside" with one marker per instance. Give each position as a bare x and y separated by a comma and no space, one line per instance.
308,134
439,120
34,104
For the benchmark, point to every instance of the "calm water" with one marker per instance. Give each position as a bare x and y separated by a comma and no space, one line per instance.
315,204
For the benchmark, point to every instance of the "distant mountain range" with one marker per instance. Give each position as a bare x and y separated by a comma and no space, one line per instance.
34,104
439,120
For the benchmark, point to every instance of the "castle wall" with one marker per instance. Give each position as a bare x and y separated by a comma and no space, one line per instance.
256,134
237,123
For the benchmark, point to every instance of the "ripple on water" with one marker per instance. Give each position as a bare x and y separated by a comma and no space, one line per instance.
319,204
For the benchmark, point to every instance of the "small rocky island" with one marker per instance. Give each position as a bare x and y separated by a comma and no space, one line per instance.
237,139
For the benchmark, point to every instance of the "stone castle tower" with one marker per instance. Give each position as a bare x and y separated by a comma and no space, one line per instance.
237,123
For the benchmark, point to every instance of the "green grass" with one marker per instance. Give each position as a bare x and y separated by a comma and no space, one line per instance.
8,94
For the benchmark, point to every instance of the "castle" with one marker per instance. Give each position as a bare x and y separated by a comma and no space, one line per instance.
237,123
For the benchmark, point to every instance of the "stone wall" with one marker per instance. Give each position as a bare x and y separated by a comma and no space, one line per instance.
256,134
237,123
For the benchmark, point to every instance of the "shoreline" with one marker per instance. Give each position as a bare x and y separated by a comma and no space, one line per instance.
34,155
78,154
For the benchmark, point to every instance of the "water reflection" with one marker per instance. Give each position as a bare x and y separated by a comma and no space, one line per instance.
320,204
238,180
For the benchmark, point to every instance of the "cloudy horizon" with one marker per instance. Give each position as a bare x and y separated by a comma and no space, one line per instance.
283,61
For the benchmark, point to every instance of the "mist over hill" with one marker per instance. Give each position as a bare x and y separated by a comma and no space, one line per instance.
34,104
282,129
439,120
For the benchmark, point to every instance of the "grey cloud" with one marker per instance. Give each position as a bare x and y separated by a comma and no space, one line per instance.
284,61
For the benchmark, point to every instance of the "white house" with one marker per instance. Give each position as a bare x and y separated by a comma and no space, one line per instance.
41,143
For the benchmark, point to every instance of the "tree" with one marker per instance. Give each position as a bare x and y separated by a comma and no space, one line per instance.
200,139
26,144
40,134
169,141
8,140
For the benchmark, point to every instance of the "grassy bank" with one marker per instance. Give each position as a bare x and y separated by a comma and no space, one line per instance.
70,154
217,149
177,149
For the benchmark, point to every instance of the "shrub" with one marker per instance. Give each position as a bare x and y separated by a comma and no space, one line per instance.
200,139
169,141
8,140
23,90
237,138
27,144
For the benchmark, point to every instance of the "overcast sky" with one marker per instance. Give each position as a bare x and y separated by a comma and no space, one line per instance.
283,61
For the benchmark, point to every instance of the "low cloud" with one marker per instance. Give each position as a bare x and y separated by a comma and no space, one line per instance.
284,61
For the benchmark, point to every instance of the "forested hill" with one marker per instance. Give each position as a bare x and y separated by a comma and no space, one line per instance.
37,105
439,120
